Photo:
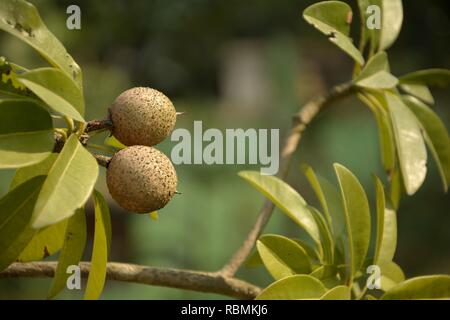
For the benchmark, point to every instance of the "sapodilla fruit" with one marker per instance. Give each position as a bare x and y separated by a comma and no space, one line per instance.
142,116
141,179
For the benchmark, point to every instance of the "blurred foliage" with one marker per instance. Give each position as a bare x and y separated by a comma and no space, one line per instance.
179,47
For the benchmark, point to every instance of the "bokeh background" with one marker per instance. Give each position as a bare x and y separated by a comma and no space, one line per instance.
238,64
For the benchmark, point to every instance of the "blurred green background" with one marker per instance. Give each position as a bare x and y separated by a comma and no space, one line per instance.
238,64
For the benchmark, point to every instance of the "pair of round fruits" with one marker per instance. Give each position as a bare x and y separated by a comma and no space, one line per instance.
141,178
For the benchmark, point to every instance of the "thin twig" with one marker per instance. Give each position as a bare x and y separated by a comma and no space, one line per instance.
301,120
208,282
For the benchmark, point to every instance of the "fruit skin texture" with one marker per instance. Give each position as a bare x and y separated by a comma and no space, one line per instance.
141,179
142,116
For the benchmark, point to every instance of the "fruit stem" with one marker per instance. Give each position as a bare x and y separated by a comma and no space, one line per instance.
97,125
102,160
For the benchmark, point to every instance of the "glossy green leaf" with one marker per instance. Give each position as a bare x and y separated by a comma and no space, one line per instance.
101,248
419,91
39,169
333,18
282,257
426,287
21,19
357,216
377,105
391,22
44,242
293,287
26,133
57,90
436,136
391,275
69,183
337,293
285,198
375,74
71,252
430,77
411,149
8,80
386,240
16,209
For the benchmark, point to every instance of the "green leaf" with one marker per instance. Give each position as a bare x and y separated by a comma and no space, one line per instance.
293,287
44,242
396,188
411,149
315,185
16,210
253,260
326,239
419,91
391,275
69,183
386,241
36,245
10,254
113,142
57,90
426,287
71,252
436,136
21,19
285,198
312,253
282,257
39,169
376,75
386,138
8,80
100,251
333,18
334,205
391,23
357,216
430,77
26,133
337,293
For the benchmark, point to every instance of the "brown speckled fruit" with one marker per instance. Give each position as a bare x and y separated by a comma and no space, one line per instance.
141,179
142,116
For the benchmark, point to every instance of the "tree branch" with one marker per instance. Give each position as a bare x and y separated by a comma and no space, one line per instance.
209,282
300,122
